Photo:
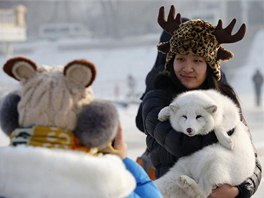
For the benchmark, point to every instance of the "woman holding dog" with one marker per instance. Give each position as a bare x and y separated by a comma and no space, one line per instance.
193,57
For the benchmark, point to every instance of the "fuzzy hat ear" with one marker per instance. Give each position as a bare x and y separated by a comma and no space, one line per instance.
9,113
20,68
82,72
223,54
97,124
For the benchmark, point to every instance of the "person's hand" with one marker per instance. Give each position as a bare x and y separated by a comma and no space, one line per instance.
119,143
224,191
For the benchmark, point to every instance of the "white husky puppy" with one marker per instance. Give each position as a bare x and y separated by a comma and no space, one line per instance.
200,112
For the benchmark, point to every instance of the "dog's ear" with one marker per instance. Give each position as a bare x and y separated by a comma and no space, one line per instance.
211,109
174,107
164,114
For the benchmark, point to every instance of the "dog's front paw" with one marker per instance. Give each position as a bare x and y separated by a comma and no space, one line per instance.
161,117
230,144
224,139
227,143
189,186
186,182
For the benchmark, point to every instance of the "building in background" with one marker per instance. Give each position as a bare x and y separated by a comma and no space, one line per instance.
117,20
121,18
12,28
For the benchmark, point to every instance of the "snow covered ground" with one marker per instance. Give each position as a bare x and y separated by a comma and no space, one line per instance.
115,64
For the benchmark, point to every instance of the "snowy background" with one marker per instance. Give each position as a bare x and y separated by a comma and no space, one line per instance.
115,64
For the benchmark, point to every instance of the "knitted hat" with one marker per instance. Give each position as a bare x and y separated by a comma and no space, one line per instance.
199,37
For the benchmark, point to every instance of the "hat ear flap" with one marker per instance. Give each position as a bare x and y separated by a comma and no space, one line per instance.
20,68
223,54
81,72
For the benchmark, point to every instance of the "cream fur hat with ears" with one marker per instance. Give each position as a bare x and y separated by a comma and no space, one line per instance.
199,37
51,96
59,97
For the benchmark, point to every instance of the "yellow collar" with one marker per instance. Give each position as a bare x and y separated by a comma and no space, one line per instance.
48,137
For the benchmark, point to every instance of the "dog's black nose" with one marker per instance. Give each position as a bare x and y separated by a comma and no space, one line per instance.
189,130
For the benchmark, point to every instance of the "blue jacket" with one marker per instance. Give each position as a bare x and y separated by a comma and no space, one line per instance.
145,188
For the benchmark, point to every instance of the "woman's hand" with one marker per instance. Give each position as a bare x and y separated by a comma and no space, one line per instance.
119,143
224,191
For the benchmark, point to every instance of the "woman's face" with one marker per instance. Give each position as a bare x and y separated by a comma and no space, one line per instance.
190,70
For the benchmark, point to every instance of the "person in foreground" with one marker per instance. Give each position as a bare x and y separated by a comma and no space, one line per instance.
61,146
193,57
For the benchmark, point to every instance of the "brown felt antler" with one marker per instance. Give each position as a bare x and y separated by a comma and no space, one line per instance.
223,35
172,23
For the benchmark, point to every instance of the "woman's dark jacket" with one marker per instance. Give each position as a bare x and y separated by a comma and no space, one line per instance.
166,145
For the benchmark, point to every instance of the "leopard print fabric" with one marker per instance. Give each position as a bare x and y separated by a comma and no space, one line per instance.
198,37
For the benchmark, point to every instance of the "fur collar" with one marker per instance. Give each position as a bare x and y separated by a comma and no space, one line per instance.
27,172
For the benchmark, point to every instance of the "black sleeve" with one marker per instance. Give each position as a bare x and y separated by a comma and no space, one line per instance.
151,76
139,121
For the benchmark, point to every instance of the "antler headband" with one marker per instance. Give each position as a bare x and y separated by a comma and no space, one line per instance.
198,36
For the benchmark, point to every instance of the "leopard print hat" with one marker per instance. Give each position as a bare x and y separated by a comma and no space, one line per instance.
199,37
196,36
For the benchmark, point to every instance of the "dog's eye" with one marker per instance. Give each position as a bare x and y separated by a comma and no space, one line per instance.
184,116
199,116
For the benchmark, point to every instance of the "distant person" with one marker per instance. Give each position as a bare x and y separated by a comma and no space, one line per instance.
258,81
131,83
117,91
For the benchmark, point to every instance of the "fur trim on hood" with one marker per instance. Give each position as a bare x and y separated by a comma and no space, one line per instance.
27,172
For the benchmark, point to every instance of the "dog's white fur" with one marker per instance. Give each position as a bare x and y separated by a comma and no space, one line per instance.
199,112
